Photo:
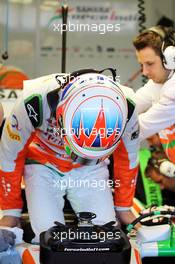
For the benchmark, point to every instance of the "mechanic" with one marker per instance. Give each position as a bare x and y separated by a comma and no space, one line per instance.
155,52
58,136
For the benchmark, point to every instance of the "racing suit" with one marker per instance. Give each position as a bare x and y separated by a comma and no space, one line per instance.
156,108
30,147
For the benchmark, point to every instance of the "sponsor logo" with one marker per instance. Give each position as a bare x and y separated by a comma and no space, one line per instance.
33,105
9,94
12,135
15,123
32,112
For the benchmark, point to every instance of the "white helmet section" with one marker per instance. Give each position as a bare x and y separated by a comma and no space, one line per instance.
94,114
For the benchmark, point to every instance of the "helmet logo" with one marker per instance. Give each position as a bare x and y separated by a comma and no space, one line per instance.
96,130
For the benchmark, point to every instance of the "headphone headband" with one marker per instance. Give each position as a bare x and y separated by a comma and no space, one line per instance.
164,33
158,30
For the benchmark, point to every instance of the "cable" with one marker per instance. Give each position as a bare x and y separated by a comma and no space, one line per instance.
142,16
64,20
132,78
157,213
141,24
5,55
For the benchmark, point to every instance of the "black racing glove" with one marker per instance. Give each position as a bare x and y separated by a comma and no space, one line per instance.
7,238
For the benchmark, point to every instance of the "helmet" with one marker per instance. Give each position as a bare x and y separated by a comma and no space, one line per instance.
93,114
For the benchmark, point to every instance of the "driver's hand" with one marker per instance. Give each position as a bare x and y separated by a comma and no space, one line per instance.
7,238
10,221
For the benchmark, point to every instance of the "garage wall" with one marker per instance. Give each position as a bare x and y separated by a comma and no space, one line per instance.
35,43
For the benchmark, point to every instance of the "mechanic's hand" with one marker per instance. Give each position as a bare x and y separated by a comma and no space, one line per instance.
7,238
154,174
10,221
167,183
154,141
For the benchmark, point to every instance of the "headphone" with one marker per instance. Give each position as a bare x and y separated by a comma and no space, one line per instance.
168,39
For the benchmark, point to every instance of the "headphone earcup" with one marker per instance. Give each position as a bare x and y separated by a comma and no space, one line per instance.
169,58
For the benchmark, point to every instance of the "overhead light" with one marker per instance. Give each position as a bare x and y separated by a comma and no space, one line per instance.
25,2
50,3
46,8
